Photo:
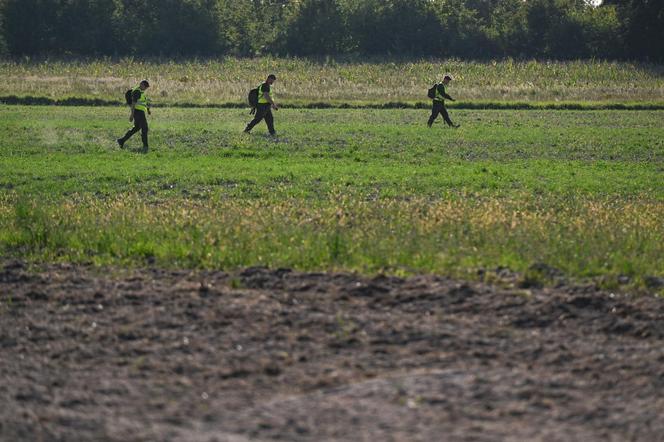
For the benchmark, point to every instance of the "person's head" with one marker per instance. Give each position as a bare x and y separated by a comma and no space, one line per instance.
271,79
144,85
447,78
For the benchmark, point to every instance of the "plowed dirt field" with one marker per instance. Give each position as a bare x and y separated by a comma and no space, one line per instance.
279,355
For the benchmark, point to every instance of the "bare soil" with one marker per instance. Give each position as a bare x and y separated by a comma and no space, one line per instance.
279,355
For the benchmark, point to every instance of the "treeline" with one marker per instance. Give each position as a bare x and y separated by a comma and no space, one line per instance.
559,29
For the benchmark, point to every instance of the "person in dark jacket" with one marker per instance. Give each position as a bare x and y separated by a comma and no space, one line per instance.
265,105
439,103
139,106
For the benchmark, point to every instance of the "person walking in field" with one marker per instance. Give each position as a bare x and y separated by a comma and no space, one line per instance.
265,105
139,106
439,96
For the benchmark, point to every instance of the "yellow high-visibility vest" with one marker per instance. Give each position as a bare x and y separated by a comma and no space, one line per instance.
142,103
261,98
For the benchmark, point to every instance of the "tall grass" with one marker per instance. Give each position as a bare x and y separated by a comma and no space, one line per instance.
581,238
307,81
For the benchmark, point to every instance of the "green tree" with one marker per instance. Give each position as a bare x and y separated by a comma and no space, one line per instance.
315,27
3,43
268,25
602,32
508,29
86,27
235,26
643,28
464,30
30,26
394,27
404,28
169,27
553,30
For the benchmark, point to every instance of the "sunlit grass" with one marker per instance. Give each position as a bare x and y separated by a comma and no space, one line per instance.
580,237
352,190
306,81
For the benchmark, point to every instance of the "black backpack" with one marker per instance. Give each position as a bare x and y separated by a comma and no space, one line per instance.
253,98
431,93
128,97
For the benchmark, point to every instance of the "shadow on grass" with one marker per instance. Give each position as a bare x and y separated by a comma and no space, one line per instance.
472,105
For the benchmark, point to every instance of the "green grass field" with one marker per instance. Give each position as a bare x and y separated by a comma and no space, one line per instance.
361,190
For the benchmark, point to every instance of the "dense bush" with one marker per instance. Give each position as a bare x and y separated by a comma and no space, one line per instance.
3,43
563,29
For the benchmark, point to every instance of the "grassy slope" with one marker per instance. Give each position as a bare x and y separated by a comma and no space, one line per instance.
363,190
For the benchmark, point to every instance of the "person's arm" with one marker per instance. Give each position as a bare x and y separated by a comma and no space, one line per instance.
441,90
266,95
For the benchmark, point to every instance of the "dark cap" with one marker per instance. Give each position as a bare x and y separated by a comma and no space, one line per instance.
145,83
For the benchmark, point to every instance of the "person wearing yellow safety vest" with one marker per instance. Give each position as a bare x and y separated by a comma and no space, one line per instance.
265,105
439,103
139,106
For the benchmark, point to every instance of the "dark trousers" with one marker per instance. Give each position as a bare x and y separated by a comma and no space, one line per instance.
439,108
140,123
262,111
